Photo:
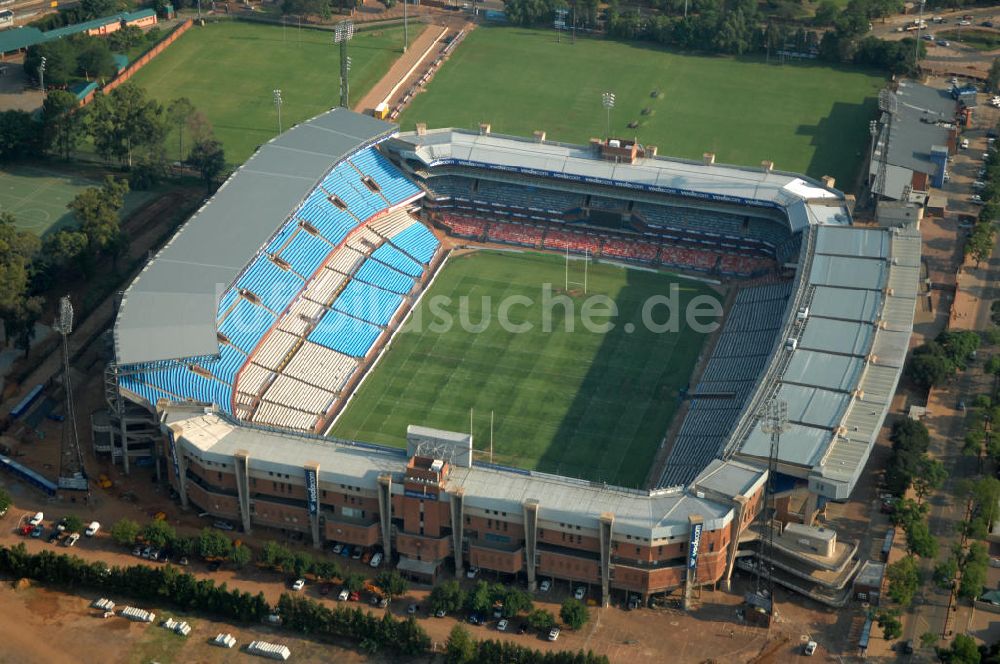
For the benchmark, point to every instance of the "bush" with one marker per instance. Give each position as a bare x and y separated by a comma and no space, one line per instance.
574,613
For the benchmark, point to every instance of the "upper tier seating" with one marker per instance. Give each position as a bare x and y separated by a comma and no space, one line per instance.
345,334
418,242
385,277
305,252
274,286
393,185
393,257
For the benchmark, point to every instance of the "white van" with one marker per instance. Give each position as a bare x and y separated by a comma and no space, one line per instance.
92,529
37,519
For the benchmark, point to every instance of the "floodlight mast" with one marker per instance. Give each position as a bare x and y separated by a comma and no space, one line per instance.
343,33
277,105
71,470
773,422
608,101
41,75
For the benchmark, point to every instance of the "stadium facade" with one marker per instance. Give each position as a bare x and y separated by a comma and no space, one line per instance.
251,329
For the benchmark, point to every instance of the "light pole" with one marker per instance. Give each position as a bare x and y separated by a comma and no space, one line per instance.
277,105
41,75
608,101
406,37
920,25
873,130
342,34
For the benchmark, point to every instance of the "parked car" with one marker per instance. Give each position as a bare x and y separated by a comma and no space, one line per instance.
367,558
440,613
476,619
502,625
183,561
809,649
383,602
214,566
299,584
522,628
37,519
146,550
346,551
580,592
964,144
545,586
54,536
987,24
61,526
978,184
943,42
965,21
343,595
553,634
976,199
472,573
72,539
137,551
411,609
337,548
357,553
223,525
37,531
376,559
927,37
355,596
92,529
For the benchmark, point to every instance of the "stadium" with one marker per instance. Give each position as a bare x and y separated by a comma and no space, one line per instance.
262,321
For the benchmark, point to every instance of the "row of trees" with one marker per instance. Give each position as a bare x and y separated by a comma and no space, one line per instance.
79,57
461,648
979,245
936,362
210,544
909,464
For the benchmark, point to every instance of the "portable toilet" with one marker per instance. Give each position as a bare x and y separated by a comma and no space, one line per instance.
382,111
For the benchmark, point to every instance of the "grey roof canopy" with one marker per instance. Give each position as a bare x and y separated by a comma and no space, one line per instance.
170,310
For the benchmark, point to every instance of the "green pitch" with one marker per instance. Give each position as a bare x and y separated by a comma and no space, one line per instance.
581,403
229,70
38,196
805,117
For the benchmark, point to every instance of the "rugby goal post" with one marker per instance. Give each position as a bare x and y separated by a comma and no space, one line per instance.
586,267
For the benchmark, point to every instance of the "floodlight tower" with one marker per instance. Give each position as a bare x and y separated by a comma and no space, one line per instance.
920,25
775,422
41,75
888,105
341,35
608,101
277,105
873,130
71,471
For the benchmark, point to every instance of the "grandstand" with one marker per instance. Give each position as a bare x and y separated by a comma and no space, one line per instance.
313,304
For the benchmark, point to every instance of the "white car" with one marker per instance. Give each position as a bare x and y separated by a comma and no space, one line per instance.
472,573
37,519
545,585
976,199
965,22
344,594
502,625
299,584
964,144
72,539
809,649
92,529
580,592
376,559
553,634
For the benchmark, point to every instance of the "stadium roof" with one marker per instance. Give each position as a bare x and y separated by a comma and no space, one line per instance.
805,201
170,310
861,288
648,514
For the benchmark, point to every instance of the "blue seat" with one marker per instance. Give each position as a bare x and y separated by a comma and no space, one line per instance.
246,324
274,286
305,252
393,257
385,277
368,303
417,242
392,183
344,334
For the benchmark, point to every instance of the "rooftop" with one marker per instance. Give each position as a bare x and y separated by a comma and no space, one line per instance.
170,310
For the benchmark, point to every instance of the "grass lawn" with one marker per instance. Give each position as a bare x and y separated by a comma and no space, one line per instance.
981,40
230,69
581,403
804,116
38,196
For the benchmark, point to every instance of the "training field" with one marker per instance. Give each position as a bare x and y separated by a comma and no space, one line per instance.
229,70
38,196
806,117
579,403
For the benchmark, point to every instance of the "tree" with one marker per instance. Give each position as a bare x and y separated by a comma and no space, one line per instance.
959,345
20,135
928,369
945,572
889,622
930,477
179,112
61,123
17,251
90,9
574,613
480,600
541,620
826,13
125,532
125,121
60,61
928,639
5,500
919,541
516,601
904,579
354,582
460,648
74,524
447,596
993,76
974,572
158,533
392,583
93,58
963,650
213,545
240,556
97,211
209,159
